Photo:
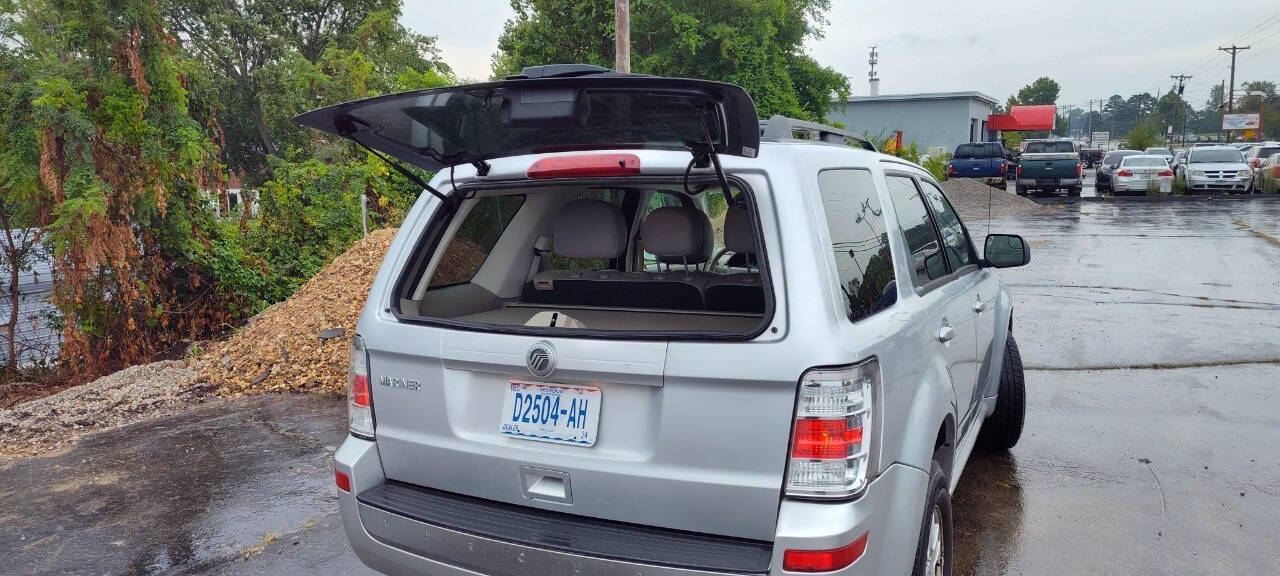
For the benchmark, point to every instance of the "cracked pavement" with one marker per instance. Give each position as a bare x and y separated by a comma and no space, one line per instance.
1151,333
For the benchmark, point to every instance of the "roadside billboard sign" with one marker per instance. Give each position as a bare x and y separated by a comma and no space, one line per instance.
1241,121
1101,139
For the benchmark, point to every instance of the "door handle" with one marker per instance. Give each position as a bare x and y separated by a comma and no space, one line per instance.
980,306
946,333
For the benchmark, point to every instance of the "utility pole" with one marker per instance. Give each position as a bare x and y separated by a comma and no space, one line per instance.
1089,124
622,36
1181,78
1231,99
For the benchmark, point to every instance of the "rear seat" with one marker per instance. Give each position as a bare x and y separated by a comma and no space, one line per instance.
681,238
596,229
740,292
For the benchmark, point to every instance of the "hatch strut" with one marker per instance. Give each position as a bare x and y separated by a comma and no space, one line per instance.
406,173
710,153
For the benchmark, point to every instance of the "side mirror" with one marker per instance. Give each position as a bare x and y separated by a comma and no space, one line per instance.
1006,251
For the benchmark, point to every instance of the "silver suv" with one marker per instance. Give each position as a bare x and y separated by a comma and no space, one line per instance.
632,330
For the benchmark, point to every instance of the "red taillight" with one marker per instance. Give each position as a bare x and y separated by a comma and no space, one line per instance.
1078,168
342,480
1125,173
824,439
950,170
1257,163
1003,168
824,560
585,166
1166,172
360,390
1019,169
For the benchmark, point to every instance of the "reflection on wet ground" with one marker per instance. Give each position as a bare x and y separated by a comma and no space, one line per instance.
1150,332
187,492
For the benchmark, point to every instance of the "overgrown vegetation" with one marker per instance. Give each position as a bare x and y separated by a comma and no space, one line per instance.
121,119
122,122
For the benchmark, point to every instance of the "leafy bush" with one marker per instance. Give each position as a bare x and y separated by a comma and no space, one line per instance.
1144,135
937,166
310,213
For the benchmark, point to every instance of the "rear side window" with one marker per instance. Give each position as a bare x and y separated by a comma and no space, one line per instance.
1267,152
475,238
959,251
859,240
927,262
964,151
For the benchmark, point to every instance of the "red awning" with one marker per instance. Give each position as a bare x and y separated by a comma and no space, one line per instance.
1024,118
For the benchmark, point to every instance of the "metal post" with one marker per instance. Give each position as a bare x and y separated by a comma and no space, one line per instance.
622,36
364,213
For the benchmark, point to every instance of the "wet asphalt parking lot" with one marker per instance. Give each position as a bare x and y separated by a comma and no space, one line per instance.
1151,335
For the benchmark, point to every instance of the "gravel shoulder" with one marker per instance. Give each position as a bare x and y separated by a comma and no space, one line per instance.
136,393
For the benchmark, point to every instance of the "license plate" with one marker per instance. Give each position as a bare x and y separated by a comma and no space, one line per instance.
551,412
1046,181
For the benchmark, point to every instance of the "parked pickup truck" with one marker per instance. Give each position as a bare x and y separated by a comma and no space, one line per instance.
977,160
1049,165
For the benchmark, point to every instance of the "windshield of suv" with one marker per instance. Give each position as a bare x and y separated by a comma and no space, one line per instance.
1050,147
1216,155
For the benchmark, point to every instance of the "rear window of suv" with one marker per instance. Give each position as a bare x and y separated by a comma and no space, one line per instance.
648,258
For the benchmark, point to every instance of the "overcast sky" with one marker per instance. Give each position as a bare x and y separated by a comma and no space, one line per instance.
1092,48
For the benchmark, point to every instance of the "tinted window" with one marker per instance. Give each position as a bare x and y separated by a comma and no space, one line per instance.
1267,152
993,150
1114,158
859,240
917,227
476,236
964,151
1221,155
1043,147
959,251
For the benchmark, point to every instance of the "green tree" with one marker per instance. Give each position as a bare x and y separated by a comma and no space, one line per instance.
1144,135
102,109
269,60
1043,90
758,44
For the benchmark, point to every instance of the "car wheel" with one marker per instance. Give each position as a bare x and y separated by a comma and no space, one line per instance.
1003,427
1075,192
933,552
1019,190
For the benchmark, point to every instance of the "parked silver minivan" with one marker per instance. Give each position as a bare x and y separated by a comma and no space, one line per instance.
632,330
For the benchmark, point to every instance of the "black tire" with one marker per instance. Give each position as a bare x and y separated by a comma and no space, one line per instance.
1019,190
1075,192
1003,428
940,498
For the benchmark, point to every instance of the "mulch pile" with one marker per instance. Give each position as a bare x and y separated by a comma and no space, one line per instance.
301,344
971,196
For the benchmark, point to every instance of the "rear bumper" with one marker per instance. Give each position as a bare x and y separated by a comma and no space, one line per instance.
1048,182
404,533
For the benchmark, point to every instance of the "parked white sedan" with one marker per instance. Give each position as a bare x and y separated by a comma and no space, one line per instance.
1141,173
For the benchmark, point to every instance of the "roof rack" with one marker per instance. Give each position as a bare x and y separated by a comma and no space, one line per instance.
779,127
